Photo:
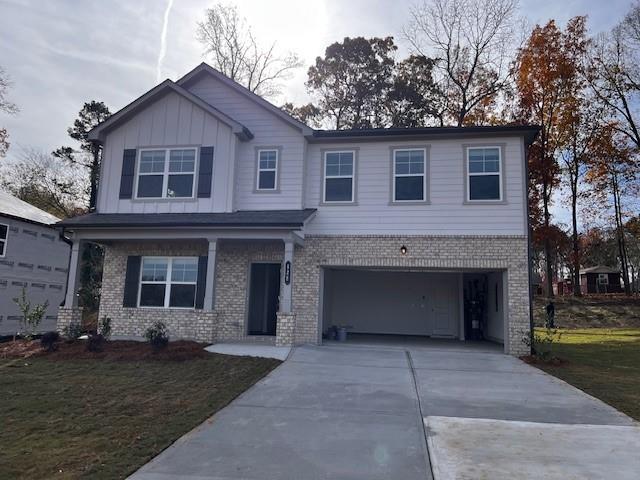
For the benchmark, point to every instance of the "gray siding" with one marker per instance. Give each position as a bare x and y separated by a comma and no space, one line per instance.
268,130
446,214
33,258
169,122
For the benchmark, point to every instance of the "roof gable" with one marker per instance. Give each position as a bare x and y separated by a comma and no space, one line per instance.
206,69
98,132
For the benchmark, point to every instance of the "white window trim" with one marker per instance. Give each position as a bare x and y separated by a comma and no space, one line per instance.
352,176
603,276
165,174
167,283
423,174
5,240
482,174
259,170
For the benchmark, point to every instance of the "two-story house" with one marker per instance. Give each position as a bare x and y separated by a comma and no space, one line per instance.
229,220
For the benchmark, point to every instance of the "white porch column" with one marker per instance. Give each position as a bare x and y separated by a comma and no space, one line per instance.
209,293
285,304
71,299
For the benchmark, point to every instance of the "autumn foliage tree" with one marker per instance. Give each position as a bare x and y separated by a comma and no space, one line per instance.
546,76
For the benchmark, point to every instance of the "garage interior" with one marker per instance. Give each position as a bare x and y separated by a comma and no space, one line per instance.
467,305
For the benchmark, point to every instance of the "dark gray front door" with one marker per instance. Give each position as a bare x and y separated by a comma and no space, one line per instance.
264,291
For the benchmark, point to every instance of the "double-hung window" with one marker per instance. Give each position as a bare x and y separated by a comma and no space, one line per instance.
168,282
484,175
603,279
267,170
409,175
4,233
339,170
166,173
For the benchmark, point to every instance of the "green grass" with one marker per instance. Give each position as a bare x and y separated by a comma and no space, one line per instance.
104,419
603,362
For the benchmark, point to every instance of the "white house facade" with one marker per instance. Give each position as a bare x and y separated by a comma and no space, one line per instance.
231,221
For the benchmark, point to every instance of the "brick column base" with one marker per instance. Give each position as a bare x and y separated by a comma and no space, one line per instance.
285,329
68,316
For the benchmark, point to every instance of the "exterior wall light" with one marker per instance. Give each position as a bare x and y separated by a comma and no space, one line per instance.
403,250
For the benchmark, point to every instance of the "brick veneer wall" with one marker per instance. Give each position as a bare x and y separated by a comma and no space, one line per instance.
228,322
232,283
189,324
432,252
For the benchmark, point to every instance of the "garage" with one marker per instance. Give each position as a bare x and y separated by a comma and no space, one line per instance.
437,304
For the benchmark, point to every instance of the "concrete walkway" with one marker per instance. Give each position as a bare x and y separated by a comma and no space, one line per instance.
356,412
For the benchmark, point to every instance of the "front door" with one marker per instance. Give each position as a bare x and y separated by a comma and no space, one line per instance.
264,290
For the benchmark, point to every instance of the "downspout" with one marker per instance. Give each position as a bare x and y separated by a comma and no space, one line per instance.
66,284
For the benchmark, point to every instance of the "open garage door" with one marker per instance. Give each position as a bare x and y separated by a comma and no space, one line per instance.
391,302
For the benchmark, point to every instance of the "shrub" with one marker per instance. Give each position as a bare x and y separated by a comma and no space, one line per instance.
105,328
543,344
157,335
48,341
72,331
95,342
31,314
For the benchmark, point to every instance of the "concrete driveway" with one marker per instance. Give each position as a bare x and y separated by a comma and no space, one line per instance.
359,412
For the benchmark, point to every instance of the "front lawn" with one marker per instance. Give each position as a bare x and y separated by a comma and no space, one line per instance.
64,417
603,362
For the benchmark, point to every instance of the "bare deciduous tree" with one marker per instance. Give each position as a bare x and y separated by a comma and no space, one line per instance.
473,42
6,106
614,73
41,180
234,51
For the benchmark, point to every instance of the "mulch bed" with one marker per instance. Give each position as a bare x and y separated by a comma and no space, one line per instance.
180,350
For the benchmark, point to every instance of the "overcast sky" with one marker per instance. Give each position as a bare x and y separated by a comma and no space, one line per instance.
62,53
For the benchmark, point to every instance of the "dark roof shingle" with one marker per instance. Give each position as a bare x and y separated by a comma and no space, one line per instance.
255,218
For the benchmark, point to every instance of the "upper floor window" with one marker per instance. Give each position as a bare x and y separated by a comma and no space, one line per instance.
484,175
166,173
168,282
4,233
267,170
338,176
409,175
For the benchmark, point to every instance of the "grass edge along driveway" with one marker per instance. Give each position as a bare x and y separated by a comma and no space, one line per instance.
603,362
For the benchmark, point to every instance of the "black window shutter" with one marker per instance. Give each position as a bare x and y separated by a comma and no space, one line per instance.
128,173
131,281
202,281
205,172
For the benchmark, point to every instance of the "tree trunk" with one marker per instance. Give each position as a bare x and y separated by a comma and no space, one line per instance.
574,236
622,248
94,172
547,248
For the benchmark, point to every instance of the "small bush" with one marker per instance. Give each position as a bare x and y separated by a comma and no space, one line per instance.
543,344
105,328
157,335
95,342
48,340
72,332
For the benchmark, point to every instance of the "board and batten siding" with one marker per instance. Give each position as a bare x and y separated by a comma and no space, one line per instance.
445,214
169,122
269,131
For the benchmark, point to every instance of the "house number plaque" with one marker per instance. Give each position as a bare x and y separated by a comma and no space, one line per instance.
287,273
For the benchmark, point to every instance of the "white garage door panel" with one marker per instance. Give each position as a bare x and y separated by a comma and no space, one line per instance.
407,303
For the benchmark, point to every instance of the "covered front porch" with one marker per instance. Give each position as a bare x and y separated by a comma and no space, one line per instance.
210,284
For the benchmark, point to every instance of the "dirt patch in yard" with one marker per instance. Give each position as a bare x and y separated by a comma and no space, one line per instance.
591,311
125,350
